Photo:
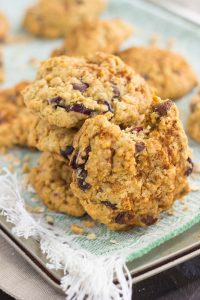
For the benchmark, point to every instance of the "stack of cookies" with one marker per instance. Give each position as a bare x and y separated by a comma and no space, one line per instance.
112,148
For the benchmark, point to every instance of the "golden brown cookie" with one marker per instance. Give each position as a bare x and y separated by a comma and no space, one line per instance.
55,18
51,180
15,119
193,125
69,90
127,177
4,26
95,35
167,71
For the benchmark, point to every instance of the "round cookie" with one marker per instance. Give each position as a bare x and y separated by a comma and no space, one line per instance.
167,71
55,18
49,138
67,91
193,125
51,179
99,35
15,119
127,177
4,26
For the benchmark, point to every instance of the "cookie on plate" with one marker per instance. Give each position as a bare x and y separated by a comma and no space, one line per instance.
49,138
51,179
168,72
4,26
15,119
55,18
95,35
193,125
69,90
127,177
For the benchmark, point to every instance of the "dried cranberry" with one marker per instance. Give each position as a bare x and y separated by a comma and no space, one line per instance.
56,100
137,129
163,108
109,204
149,220
80,108
107,104
189,170
81,87
67,151
73,163
82,175
122,216
116,91
139,147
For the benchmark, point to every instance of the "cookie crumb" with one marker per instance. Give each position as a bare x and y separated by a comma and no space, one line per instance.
114,242
91,236
170,43
77,229
35,209
26,158
89,223
11,168
25,168
49,220
186,208
171,212
194,188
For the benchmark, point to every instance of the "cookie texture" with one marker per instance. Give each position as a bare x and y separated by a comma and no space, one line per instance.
4,26
67,91
49,138
168,72
55,18
51,180
127,177
15,119
95,35
193,125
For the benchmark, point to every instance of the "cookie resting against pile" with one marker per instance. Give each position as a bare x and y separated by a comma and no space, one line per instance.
99,35
51,180
193,125
55,18
167,71
15,119
67,91
127,177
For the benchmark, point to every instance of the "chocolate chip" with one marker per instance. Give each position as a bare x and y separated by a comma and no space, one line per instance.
189,170
109,204
81,87
139,147
149,220
80,108
163,108
116,91
67,151
107,104
123,216
82,175
137,129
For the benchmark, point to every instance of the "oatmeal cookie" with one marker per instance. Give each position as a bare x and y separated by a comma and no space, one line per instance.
193,125
49,138
4,26
67,91
127,177
15,119
55,18
99,35
167,71
51,180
